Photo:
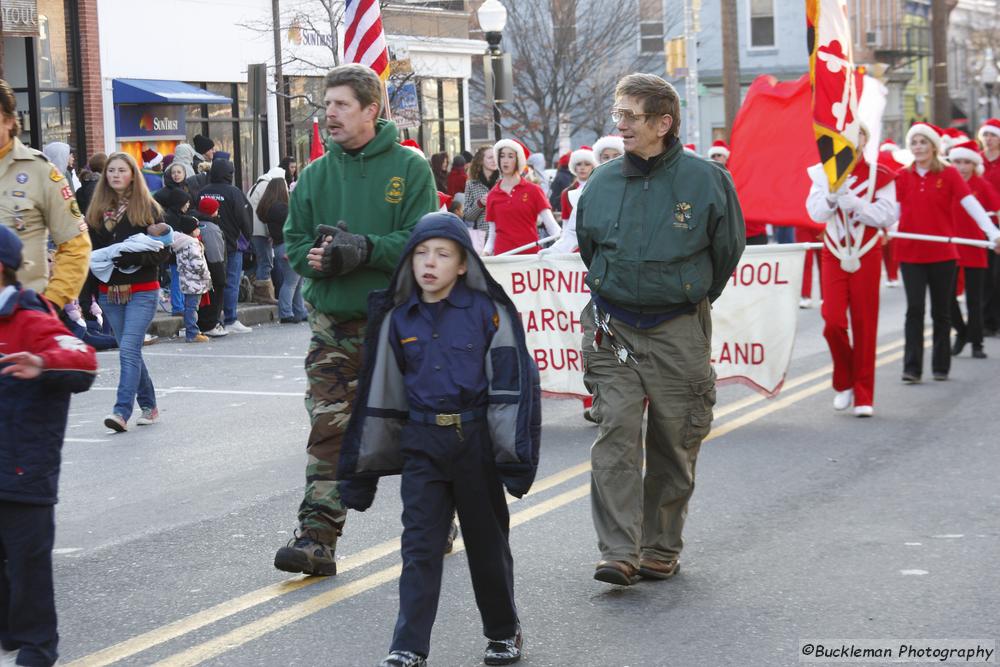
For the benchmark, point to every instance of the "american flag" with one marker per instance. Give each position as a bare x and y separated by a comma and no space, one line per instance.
364,39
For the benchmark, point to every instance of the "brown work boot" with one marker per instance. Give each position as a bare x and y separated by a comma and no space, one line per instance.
616,572
306,554
263,292
658,569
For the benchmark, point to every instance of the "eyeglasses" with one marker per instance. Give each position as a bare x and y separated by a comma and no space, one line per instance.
618,114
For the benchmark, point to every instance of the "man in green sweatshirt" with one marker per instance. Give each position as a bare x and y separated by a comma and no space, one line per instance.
660,232
371,192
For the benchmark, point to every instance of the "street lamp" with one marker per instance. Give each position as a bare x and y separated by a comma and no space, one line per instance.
496,65
990,76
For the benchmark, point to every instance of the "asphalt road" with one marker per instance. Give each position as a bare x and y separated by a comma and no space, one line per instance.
806,525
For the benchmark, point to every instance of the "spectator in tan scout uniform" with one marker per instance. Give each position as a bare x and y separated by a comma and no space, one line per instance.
378,190
37,202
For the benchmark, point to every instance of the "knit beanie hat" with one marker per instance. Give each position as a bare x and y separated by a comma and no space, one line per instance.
208,206
202,144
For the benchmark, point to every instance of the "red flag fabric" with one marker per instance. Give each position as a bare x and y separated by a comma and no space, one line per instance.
772,145
316,143
364,38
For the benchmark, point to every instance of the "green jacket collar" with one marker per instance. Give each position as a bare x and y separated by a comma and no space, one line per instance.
667,159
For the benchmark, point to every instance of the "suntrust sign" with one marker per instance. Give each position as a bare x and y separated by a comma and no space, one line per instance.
136,122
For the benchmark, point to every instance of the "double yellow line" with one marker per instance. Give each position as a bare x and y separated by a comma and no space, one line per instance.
279,619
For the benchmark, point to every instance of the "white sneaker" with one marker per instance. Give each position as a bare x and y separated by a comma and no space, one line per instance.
843,399
218,331
238,327
805,303
863,411
892,283
148,416
8,658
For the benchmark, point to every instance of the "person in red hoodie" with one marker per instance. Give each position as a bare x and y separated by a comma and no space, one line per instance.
989,137
927,192
41,364
972,262
457,176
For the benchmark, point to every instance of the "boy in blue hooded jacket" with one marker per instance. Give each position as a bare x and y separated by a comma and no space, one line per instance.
450,399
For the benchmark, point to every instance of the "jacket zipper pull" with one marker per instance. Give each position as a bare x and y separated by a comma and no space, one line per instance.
645,184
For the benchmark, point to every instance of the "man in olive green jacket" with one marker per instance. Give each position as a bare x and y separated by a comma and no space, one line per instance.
660,231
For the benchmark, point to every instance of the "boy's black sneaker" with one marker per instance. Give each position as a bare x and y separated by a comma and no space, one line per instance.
305,554
403,659
449,544
504,651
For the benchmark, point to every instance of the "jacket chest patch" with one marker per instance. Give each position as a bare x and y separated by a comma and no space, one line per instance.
682,213
394,190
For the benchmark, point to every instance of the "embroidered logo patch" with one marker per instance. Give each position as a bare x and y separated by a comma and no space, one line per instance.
395,189
55,175
411,339
74,208
682,213
524,197
22,178
67,193
18,193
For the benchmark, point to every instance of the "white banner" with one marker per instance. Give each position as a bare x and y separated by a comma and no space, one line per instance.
753,322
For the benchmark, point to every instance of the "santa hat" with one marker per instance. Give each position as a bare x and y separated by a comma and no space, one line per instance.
930,132
611,141
888,145
208,206
992,126
691,148
413,146
564,160
951,136
582,154
151,158
967,150
520,150
719,147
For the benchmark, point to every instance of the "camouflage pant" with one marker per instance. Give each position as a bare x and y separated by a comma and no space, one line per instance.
333,365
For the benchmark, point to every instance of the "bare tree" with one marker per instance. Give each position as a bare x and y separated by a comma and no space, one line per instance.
566,54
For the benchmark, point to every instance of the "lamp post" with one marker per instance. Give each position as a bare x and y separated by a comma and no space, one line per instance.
990,76
496,65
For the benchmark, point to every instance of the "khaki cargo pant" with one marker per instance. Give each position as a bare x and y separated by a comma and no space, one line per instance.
637,516
333,366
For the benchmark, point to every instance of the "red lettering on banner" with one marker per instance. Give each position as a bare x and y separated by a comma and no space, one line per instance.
741,353
516,282
549,280
548,276
764,273
548,319
562,359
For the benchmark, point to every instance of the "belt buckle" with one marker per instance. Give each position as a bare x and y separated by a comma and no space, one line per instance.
447,420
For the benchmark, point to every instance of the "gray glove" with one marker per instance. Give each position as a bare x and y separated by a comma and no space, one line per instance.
346,252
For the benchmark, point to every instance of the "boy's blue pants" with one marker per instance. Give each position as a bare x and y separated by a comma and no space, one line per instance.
27,600
442,473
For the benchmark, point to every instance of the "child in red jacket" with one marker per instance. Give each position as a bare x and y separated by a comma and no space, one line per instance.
41,364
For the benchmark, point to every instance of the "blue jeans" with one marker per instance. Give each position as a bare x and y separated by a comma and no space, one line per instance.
265,257
784,234
231,295
191,302
176,297
129,321
290,303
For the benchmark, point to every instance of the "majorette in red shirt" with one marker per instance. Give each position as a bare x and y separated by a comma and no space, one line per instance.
515,215
926,207
966,227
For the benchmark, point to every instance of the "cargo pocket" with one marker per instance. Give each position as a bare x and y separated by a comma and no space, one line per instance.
700,412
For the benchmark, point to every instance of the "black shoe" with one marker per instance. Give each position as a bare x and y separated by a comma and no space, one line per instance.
403,659
289,320
504,651
941,377
992,333
307,555
911,378
959,345
452,534
977,352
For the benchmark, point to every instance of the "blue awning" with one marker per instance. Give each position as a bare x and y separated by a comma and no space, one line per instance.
151,91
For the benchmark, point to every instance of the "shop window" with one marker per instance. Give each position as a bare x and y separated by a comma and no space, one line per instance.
761,23
55,65
442,111
58,115
304,102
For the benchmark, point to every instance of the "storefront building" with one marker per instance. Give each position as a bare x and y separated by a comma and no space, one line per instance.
50,58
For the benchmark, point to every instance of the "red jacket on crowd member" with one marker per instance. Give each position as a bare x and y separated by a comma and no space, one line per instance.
966,227
457,176
926,207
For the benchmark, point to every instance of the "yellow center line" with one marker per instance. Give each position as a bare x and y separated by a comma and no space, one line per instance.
198,620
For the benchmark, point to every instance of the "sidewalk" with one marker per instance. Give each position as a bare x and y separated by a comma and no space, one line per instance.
166,325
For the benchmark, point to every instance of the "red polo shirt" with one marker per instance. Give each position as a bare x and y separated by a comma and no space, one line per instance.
927,207
515,215
991,172
966,227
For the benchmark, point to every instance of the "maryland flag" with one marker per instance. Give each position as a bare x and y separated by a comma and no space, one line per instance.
836,88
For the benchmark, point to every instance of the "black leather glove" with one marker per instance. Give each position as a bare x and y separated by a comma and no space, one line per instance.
346,252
